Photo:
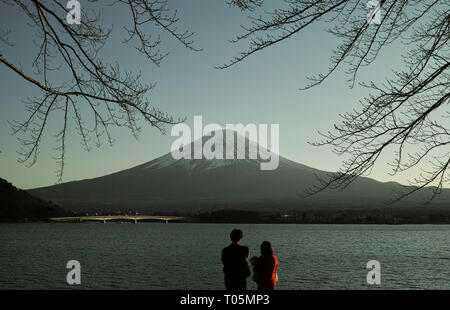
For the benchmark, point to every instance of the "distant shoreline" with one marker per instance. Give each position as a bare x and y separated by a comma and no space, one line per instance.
389,216
224,222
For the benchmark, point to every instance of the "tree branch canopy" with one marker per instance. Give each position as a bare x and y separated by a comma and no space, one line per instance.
115,97
407,112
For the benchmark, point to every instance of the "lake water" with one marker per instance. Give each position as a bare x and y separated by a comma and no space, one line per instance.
187,256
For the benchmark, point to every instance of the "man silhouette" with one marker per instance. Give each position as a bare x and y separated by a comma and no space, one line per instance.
235,263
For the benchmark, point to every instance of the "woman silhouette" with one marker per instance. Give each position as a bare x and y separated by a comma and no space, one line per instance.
265,268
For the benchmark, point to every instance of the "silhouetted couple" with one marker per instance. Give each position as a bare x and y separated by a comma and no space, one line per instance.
236,269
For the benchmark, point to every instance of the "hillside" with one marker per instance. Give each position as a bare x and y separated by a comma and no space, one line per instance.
18,205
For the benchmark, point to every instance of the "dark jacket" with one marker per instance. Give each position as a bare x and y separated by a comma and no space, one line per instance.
235,262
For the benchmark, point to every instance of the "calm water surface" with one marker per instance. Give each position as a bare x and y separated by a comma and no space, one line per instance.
187,256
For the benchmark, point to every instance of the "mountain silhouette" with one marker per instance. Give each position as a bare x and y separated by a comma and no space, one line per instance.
203,184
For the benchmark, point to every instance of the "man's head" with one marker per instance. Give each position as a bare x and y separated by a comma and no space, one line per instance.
236,235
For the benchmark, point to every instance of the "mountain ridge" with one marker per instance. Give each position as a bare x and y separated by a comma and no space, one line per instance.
202,184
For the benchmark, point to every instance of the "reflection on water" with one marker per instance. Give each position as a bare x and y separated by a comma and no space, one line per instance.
187,256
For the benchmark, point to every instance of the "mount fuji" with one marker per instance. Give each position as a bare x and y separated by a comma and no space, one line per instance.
191,185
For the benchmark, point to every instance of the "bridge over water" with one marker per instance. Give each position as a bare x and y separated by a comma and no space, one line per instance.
105,218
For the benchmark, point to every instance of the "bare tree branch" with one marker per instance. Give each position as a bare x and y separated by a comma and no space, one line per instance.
115,97
407,112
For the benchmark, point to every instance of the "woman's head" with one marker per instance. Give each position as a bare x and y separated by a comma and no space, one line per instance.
266,248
